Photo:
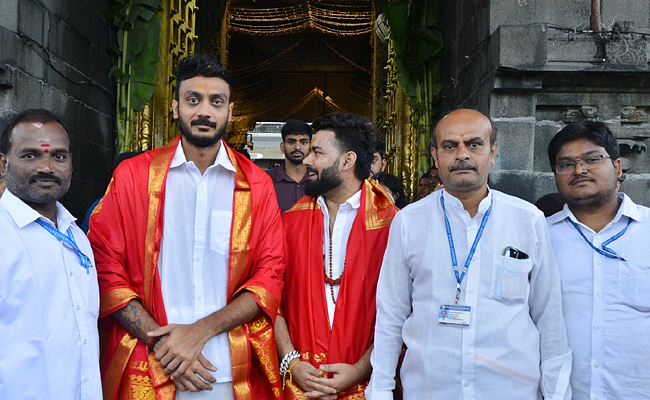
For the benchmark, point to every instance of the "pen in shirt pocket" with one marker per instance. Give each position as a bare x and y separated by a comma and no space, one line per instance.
515,253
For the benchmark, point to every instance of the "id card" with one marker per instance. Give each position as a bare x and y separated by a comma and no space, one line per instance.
453,314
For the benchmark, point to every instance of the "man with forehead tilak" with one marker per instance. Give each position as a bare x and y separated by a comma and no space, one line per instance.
600,240
189,251
502,335
49,298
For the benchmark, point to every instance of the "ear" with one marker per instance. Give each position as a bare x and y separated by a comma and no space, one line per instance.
230,107
493,153
175,108
434,153
348,161
3,165
618,168
282,146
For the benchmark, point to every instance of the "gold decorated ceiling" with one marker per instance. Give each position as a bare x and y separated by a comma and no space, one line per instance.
299,59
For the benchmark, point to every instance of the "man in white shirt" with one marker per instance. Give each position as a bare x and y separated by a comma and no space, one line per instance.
49,298
335,239
600,239
483,257
188,240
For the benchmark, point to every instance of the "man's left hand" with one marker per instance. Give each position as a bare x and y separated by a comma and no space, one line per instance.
182,348
344,376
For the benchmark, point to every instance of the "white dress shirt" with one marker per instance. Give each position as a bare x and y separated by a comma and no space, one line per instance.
194,257
606,303
515,346
49,345
345,216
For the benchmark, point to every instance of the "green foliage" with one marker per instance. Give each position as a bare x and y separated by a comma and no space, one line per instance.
137,27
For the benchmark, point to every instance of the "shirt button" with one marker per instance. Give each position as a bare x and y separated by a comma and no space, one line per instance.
78,308
467,353
597,365
199,228
598,295
466,384
85,341
597,327
598,262
86,379
70,273
596,397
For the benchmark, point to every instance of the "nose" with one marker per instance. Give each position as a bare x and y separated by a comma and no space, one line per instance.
204,109
308,160
45,165
579,168
461,153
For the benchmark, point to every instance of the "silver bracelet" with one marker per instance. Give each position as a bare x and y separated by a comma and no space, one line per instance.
284,364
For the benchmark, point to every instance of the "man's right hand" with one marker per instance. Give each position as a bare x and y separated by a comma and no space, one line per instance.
299,374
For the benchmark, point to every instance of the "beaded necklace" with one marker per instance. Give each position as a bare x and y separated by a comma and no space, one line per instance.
328,278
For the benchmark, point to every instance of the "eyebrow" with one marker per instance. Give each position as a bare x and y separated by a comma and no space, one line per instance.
210,95
586,153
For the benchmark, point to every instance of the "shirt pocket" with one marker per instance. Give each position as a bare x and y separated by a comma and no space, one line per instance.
220,231
510,278
634,285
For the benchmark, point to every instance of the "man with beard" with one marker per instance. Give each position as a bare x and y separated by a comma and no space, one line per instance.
379,163
485,259
290,177
189,283
49,298
335,238
600,243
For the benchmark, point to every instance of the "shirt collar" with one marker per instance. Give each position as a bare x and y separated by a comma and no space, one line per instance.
627,208
22,214
453,202
352,203
222,157
282,175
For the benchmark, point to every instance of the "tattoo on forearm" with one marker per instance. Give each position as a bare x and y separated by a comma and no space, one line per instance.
130,320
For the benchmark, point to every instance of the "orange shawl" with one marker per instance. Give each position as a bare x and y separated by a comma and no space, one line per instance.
125,232
305,304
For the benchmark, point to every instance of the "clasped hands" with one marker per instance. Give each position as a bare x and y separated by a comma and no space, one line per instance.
179,352
316,384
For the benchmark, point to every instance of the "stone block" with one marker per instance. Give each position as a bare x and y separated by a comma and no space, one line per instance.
544,132
9,14
521,47
515,140
638,188
512,105
27,92
87,22
516,183
629,10
504,12
30,19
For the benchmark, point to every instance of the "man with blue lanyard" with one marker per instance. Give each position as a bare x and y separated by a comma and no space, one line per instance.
484,259
49,297
600,240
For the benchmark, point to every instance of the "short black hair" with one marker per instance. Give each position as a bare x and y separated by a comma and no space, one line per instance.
31,115
395,185
493,135
380,148
353,133
295,127
201,64
596,132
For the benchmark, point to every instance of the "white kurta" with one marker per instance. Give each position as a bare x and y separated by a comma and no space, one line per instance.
516,344
606,303
49,345
345,216
195,247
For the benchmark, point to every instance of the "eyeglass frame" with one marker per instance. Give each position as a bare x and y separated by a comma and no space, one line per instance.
570,166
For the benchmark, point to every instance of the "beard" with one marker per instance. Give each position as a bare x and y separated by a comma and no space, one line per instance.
293,159
23,189
326,181
592,201
201,141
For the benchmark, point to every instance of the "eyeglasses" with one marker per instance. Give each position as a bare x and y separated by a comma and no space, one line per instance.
589,162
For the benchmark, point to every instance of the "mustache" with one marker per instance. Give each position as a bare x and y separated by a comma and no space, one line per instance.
579,177
463,164
203,121
42,175
312,169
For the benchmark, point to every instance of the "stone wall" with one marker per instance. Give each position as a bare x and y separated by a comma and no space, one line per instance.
532,77
53,56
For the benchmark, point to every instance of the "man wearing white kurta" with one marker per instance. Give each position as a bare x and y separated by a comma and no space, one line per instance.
514,345
600,240
49,297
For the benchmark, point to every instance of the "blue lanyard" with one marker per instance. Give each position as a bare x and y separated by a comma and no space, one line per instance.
69,240
452,248
604,250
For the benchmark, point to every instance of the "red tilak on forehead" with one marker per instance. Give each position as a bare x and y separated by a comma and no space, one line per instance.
45,151
45,145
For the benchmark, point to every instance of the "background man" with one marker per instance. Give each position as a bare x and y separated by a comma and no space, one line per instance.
509,334
335,239
171,249
290,177
378,164
49,299
600,239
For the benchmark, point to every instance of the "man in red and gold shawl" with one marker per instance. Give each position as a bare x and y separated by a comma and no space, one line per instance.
188,245
335,240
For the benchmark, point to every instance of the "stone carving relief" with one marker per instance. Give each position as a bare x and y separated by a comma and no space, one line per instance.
583,113
633,115
626,49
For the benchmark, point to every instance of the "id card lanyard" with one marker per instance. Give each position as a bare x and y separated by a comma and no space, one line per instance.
604,250
452,248
69,240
